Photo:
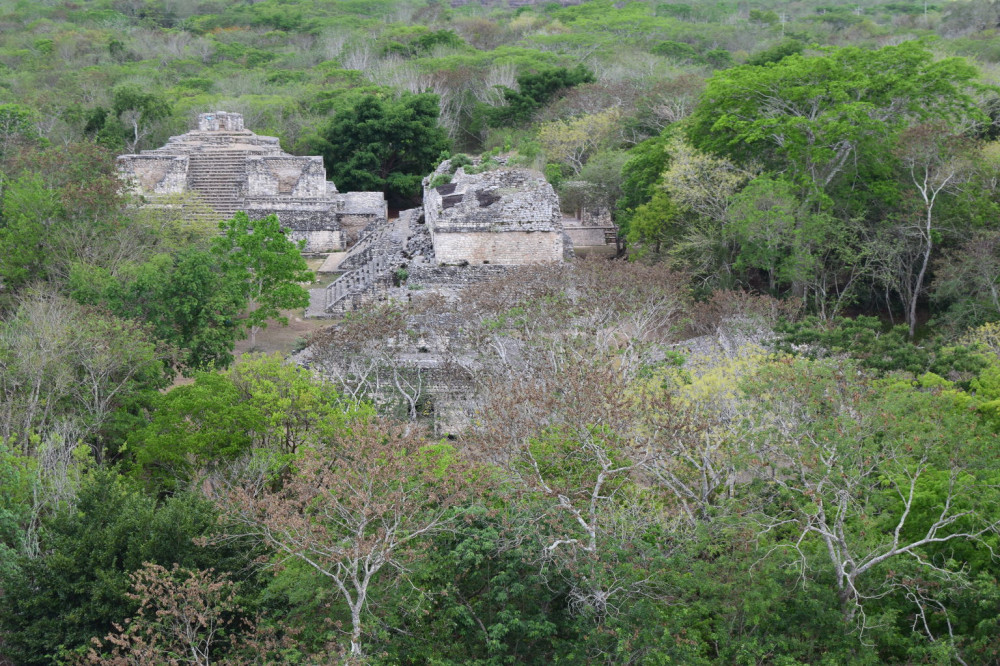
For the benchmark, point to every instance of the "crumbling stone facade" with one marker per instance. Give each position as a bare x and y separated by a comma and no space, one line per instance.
474,227
229,168
506,216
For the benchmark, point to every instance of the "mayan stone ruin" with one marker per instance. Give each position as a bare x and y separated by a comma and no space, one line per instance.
475,222
469,229
224,168
505,216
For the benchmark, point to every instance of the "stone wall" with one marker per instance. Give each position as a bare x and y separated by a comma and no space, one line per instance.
155,174
455,276
591,236
360,210
503,216
303,177
231,169
352,226
317,241
314,221
220,121
508,248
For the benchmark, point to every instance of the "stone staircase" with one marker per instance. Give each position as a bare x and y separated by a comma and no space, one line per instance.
219,176
370,265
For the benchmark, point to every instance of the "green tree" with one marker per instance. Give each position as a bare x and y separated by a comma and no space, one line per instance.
193,427
28,211
137,110
653,223
188,300
77,588
493,600
643,172
572,142
887,494
819,116
65,369
813,254
264,403
776,53
17,125
385,145
535,90
66,205
16,475
267,267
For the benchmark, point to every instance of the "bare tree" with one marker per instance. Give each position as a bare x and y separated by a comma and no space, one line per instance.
880,498
368,357
935,163
61,363
561,436
352,508
184,617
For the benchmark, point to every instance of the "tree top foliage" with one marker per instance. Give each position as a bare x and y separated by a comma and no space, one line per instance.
818,110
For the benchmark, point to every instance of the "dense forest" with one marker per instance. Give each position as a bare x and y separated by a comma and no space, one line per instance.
765,433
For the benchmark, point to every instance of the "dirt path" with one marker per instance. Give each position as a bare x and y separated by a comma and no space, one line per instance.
284,339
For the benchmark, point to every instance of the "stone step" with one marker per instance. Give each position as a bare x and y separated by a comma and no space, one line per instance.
317,304
216,174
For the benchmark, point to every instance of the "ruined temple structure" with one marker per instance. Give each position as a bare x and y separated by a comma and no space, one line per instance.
587,221
229,168
505,216
470,229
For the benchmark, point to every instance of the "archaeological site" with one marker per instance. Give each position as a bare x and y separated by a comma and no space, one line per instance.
225,168
476,219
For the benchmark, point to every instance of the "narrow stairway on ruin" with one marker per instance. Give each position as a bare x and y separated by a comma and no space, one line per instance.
377,255
218,176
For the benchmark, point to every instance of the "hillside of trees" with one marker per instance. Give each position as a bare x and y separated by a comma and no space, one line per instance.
766,433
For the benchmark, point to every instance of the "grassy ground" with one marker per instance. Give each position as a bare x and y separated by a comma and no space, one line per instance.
284,339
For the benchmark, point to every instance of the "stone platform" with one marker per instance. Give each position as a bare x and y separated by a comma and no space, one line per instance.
221,168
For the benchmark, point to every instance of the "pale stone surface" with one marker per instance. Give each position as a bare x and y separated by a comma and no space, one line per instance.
503,216
511,248
468,231
220,120
157,174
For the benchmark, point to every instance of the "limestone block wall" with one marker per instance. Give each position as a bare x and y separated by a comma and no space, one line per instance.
352,225
504,216
451,276
586,235
315,222
300,177
507,248
366,203
595,216
317,241
155,174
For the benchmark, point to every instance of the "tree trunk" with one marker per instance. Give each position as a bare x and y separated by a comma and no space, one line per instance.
356,629
911,315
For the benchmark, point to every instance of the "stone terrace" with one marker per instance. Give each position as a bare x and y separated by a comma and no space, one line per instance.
225,168
507,216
